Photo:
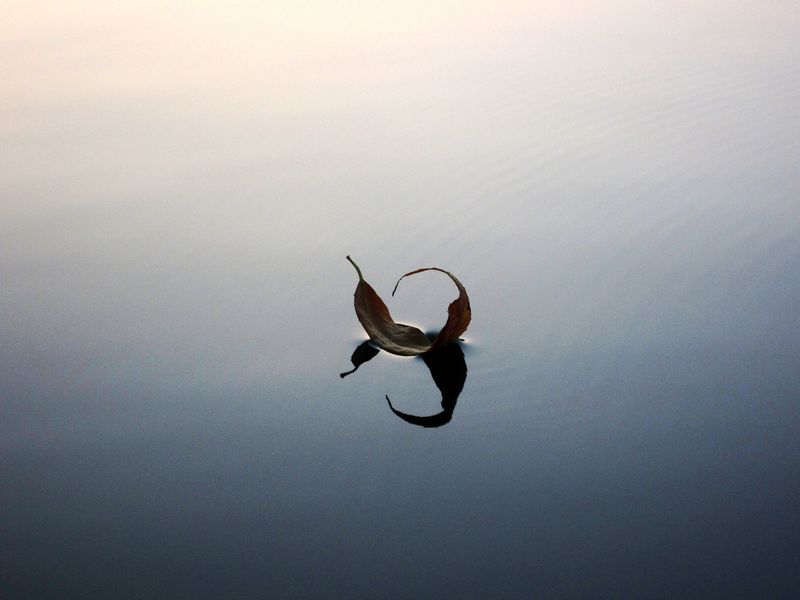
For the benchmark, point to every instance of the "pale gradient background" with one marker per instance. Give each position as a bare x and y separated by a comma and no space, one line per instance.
615,183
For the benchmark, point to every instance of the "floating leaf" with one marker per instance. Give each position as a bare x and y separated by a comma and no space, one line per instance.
459,313
406,340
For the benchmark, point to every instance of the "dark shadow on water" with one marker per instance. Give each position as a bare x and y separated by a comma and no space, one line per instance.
362,354
448,369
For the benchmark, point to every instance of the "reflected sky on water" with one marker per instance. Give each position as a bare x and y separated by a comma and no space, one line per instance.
616,185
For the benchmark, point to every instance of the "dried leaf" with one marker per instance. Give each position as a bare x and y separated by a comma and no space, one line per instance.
459,313
405,340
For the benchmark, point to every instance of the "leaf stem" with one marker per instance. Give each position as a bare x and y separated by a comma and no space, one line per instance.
352,262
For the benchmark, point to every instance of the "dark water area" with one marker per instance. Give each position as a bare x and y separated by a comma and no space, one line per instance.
616,186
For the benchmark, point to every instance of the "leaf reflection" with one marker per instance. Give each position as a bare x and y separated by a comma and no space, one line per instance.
364,352
448,369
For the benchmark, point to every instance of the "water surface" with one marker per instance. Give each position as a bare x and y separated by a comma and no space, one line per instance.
617,187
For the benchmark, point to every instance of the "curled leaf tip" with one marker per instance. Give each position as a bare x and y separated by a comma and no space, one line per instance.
395,287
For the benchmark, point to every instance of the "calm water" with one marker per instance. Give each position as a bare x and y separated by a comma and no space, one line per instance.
616,185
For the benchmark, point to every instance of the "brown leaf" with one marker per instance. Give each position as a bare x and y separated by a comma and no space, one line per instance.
406,340
459,313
